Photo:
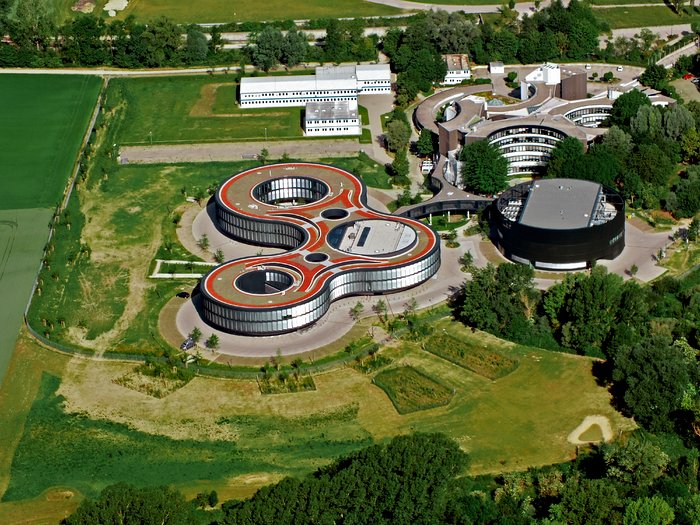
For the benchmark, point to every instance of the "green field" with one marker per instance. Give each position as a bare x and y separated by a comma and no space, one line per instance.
85,431
42,124
195,109
411,390
221,11
621,17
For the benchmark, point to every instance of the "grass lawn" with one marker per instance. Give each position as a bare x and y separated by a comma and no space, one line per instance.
686,89
621,17
86,431
220,11
367,169
42,124
623,2
196,109
439,222
411,390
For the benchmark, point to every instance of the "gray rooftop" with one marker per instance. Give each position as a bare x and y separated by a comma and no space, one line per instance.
560,204
340,109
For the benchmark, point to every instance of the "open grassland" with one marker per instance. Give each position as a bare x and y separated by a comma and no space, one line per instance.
686,89
621,17
42,124
196,109
221,11
411,390
74,421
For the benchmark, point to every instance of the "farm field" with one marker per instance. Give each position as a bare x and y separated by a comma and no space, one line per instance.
221,11
622,17
196,109
42,125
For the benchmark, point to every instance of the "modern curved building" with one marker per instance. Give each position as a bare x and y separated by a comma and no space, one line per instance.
559,224
338,247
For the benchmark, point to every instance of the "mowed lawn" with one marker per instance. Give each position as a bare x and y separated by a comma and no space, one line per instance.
622,17
42,124
220,11
197,109
81,423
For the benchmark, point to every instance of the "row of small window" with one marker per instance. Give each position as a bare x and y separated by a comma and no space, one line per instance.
528,130
537,160
294,101
530,148
306,312
524,140
339,121
318,130
598,110
300,93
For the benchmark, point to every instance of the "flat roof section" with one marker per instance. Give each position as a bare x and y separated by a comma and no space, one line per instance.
560,204
340,109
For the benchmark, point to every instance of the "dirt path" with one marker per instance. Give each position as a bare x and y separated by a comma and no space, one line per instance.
234,151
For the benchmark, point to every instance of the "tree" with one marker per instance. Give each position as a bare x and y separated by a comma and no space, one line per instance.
654,76
203,242
380,309
652,165
213,342
267,50
566,158
263,156
425,145
677,121
589,502
484,168
196,46
122,503
398,133
687,192
294,47
648,511
196,334
219,256
651,378
400,167
356,311
626,106
636,463
466,261
215,41
647,122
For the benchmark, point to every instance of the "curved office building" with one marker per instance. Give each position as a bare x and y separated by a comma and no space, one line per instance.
559,224
527,142
339,247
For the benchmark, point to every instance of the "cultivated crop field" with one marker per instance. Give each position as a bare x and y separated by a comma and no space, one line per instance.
42,125
220,11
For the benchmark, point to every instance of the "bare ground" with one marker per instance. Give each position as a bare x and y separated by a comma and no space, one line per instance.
602,421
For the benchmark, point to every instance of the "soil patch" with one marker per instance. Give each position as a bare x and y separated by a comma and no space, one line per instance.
592,429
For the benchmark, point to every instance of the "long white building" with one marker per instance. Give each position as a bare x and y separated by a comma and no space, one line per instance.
328,84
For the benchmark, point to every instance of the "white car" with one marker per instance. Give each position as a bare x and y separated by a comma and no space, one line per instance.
620,68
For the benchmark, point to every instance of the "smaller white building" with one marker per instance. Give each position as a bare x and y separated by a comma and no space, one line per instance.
548,73
457,69
497,68
325,119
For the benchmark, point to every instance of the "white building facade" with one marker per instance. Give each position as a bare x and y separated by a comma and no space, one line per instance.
457,69
326,119
329,84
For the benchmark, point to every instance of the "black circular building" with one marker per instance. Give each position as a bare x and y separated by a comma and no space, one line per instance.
559,224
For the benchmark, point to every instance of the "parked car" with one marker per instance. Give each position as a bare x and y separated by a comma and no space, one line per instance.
183,295
187,344
620,68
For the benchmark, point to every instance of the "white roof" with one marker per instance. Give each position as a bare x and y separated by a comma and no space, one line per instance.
293,83
373,72
340,109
